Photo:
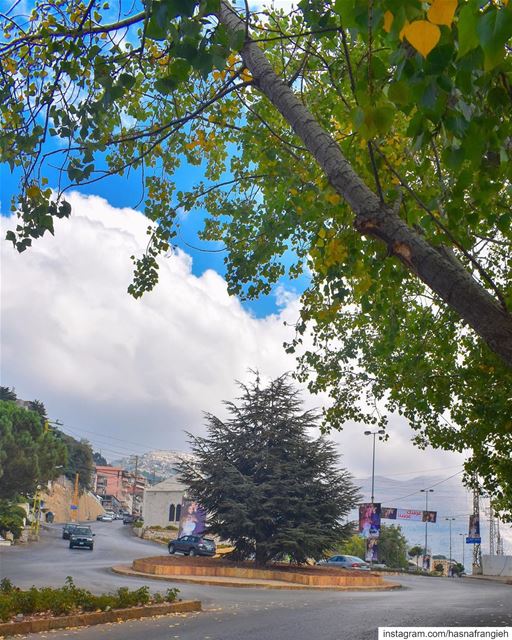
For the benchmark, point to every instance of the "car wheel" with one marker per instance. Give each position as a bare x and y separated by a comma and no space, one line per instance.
192,553
70,546
172,550
91,548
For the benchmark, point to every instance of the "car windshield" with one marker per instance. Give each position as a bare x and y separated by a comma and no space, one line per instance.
82,531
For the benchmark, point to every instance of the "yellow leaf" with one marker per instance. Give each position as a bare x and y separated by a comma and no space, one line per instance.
10,65
388,21
33,191
333,198
442,12
322,233
422,35
246,75
402,31
293,191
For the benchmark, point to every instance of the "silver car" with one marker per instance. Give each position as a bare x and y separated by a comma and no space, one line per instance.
347,562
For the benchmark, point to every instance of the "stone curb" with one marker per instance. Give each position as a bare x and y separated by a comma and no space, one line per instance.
501,579
204,580
97,617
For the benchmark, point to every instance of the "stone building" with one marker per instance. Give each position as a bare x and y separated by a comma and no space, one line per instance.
162,503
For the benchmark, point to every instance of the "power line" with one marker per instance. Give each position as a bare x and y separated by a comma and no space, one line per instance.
431,486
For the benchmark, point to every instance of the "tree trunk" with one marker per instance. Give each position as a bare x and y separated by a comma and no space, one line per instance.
444,275
261,556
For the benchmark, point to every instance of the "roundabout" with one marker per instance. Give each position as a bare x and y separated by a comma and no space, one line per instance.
221,572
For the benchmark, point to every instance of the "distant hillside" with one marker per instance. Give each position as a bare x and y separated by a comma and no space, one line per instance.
155,465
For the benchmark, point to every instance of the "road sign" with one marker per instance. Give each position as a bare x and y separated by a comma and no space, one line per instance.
473,540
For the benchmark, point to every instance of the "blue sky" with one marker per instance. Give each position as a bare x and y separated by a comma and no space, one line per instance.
126,192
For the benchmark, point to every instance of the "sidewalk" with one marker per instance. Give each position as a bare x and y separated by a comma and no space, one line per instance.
502,579
219,581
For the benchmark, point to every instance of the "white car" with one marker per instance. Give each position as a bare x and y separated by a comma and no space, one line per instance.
106,517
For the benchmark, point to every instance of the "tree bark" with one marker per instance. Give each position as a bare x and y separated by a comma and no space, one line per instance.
448,278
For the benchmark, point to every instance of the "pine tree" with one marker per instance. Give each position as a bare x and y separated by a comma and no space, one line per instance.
267,486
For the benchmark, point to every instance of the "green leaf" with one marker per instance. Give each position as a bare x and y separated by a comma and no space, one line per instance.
127,80
400,92
468,36
179,71
494,30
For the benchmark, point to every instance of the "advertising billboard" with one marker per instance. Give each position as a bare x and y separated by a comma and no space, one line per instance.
193,519
474,530
390,513
369,520
372,550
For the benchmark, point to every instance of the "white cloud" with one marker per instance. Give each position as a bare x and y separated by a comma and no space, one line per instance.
140,372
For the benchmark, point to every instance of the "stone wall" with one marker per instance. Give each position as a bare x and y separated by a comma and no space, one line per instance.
497,565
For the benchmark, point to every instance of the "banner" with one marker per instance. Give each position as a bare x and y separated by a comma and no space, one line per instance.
390,513
372,550
193,519
369,520
474,526
474,530
429,516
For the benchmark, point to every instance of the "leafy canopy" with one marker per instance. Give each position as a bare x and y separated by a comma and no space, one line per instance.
267,486
410,290
29,453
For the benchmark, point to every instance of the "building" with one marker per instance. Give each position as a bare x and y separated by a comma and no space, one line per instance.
162,504
118,488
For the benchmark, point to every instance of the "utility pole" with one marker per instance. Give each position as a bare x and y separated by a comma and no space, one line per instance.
426,492
463,547
492,532
134,483
477,548
75,499
499,539
374,433
450,567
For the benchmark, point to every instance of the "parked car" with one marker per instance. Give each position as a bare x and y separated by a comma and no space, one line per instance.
105,517
346,562
128,519
67,528
81,537
193,546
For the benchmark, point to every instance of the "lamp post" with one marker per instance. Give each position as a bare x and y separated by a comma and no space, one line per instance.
426,492
450,571
463,547
374,433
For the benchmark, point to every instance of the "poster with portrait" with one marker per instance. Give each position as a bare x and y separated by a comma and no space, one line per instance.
372,550
474,526
429,516
388,513
192,520
369,520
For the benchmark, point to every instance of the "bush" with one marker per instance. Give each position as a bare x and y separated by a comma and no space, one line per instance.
70,598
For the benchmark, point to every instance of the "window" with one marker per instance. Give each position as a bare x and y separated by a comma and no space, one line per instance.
178,513
172,513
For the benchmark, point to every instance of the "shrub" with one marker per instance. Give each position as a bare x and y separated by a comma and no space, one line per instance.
171,595
6,586
70,598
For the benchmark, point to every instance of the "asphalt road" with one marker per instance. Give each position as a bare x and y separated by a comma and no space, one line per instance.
253,614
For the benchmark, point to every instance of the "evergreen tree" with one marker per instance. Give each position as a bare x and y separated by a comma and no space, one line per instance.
29,455
8,394
267,486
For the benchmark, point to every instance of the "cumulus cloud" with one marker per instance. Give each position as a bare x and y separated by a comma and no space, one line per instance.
134,375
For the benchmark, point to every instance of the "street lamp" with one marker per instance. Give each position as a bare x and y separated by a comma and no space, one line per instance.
463,547
450,569
426,492
373,433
